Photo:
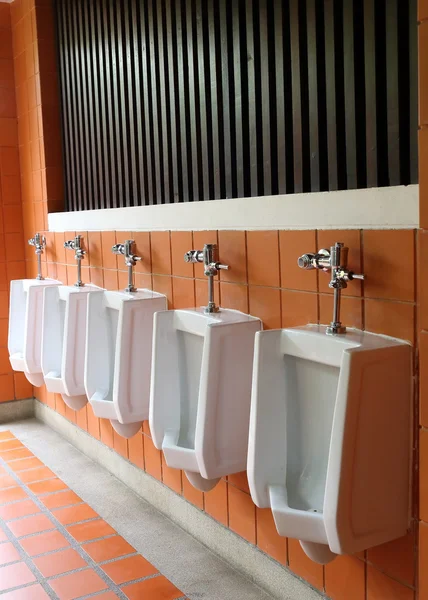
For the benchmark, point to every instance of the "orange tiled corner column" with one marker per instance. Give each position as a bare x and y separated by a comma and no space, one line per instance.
12,259
423,303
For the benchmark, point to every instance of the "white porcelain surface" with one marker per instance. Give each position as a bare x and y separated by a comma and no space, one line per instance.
64,342
200,391
119,355
25,326
329,444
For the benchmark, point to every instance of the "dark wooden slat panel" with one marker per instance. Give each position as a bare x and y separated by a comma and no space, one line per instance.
178,100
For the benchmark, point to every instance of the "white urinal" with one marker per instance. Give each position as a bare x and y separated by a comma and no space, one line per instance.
64,342
329,446
119,356
25,326
200,391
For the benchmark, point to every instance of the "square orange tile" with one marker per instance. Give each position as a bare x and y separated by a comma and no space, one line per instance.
382,587
423,560
345,578
108,240
263,258
242,514
240,480
127,569
396,559
25,463
136,450
120,444
10,444
192,495
163,285
303,566
156,587
171,477
293,244
390,318
181,242
74,514
423,475
7,389
422,277
18,509
423,73
268,539
183,292
94,247
233,252
152,459
161,252
15,575
59,562
351,311
35,475
44,542
389,278
60,499
8,554
106,432
234,295
265,303
423,176
112,547
23,388
12,494
298,308
91,530
47,486
33,524
216,503
75,585
201,292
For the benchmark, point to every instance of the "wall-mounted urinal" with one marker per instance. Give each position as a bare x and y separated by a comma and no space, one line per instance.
201,386
25,320
330,432
64,336
119,351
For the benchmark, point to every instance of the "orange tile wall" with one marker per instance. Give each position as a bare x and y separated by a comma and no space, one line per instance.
12,258
264,280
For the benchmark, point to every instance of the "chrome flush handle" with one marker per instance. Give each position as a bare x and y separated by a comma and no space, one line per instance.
208,256
79,254
130,261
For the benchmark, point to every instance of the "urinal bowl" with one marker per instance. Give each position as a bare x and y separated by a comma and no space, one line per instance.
64,342
119,356
25,327
200,391
329,443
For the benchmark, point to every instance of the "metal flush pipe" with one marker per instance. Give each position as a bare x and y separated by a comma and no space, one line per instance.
79,254
208,256
39,243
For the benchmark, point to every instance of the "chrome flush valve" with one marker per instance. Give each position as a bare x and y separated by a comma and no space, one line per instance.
334,260
79,255
130,261
208,256
39,243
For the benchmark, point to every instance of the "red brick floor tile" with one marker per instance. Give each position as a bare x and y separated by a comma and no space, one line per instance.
27,525
128,569
10,445
107,596
44,542
74,514
83,532
157,588
8,554
12,494
15,575
78,584
112,547
18,509
6,482
59,562
23,464
35,475
48,486
60,499
16,454
6,435
3,536
32,592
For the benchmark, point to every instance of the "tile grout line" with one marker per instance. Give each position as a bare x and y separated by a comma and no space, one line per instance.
74,544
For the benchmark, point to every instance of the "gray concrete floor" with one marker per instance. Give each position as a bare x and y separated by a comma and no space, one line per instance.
193,568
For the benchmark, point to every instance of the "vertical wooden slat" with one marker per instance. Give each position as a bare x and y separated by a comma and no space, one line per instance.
264,69
205,190
297,107
313,95
413,90
349,82
280,97
212,87
129,68
176,154
146,103
331,93
370,80
238,134
141,164
162,99
227,142
392,92
193,103
155,116
252,116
